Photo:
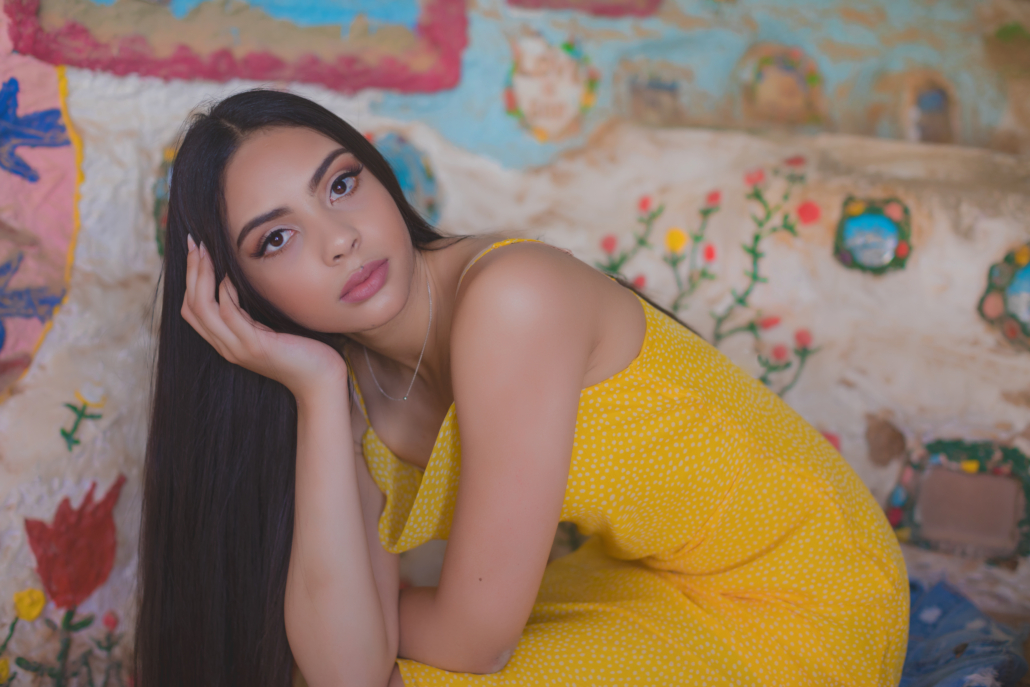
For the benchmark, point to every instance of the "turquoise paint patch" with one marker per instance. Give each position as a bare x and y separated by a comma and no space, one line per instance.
318,12
872,239
1017,296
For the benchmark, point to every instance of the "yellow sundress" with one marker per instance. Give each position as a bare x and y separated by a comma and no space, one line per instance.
730,543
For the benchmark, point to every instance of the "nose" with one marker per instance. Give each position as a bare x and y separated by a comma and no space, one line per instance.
341,240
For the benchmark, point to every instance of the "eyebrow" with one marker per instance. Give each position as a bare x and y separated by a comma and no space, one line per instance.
316,179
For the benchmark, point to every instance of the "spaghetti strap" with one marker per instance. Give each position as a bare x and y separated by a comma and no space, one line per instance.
356,391
493,246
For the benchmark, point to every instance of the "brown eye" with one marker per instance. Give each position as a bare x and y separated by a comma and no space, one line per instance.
344,184
275,240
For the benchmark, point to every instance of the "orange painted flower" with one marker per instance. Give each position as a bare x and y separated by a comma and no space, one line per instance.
75,554
754,177
809,212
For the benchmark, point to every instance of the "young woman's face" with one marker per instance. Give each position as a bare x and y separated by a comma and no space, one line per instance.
315,233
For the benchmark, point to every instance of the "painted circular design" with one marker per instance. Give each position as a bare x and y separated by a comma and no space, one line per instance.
413,172
1005,304
874,235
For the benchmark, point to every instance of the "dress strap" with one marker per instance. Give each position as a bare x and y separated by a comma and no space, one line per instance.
500,244
356,392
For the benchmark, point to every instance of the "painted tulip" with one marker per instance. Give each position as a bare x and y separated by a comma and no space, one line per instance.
809,212
754,177
902,250
780,353
675,240
768,322
709,253
609,243
640,281
110,621
795,161
75,554
644,204
803,338
28,604
713,198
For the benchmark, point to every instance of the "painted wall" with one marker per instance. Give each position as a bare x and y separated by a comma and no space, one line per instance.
883,290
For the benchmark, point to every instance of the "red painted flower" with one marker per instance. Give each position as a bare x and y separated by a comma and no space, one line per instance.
609,243
510,104
803,338
640,281
833,439
644,204
709,253
768,322
110,621
74,555
902,250
780,353
713,198
796,161
754,177
1010,329
809,212
894,516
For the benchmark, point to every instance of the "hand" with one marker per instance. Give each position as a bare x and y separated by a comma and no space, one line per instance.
298,363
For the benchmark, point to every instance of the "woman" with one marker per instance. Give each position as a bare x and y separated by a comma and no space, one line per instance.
732,544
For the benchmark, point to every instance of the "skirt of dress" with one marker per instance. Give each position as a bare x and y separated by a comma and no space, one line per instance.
600,621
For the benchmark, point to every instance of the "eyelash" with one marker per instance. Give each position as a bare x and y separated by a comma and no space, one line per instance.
351,174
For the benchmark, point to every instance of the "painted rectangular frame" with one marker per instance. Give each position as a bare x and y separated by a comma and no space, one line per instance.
441,29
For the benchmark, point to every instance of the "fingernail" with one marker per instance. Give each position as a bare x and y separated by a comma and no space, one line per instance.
190,245
203,250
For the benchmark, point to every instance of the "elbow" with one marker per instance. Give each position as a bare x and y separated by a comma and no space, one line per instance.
487,662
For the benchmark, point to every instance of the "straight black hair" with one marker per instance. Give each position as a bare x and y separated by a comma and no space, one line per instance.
218,484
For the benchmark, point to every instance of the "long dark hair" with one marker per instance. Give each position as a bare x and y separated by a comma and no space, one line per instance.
218,485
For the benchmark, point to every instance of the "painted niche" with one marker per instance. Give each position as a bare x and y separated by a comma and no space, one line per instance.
781,85
1006,302
969,498
550,88
414,173
929,111
874,235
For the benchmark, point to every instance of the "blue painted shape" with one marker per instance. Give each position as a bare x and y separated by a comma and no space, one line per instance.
934,100
316,12
872,239
898,496
413,173
41,129
1017,296
38,302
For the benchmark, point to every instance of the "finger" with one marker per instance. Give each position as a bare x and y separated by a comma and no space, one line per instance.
234,294
206,309
236,320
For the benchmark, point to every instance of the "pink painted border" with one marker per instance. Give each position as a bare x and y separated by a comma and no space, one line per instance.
442,30
602,8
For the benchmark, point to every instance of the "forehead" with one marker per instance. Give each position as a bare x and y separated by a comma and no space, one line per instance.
269,168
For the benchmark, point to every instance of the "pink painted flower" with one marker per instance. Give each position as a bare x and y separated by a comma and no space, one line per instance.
754,177
795,161
1010,329
709,253
993,306
902,250
833,439
768,322
713,198
795,53
894,211
644,204
803,338
809,212
780,353
609,243
640,281
110,621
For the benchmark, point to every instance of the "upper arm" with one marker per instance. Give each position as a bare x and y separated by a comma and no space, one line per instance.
385,566
519,350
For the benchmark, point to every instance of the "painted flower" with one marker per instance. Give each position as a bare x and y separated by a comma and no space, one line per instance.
110,621
894,516
675,240
780,353
903,249
640,281
803,338
588,99
1022,256
754,177
609,243
644,204
894,211
709,253
809,212
1010,329
540,134
28,604
5,670
855,207
993,306
768,322
833,439
510,104
713,198
795,161
75,554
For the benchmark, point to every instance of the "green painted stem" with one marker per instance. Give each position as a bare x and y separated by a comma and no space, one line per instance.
10,633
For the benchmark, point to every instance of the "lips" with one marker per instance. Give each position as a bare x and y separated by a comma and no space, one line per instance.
366,282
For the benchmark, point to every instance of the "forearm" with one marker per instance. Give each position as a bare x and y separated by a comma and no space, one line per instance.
334,617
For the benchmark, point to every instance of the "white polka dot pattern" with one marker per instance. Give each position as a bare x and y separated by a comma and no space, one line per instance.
732,545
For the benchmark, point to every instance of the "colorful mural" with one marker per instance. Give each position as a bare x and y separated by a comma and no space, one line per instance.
414,173
602,8
874,235
781,85
339,46
1006,302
